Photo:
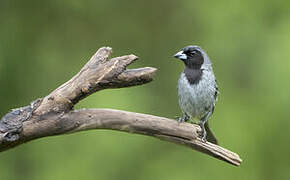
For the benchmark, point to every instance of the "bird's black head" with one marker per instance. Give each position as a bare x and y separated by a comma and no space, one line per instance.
191,56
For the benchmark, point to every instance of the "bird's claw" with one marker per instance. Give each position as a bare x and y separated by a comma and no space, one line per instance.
181,120
203,138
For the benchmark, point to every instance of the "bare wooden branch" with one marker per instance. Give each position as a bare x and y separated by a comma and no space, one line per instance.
54,114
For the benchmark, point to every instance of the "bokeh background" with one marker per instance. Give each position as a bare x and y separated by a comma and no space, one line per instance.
44,43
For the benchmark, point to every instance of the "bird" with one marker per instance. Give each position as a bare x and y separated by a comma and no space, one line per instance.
197,89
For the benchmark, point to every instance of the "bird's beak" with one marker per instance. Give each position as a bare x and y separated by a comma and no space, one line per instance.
180,55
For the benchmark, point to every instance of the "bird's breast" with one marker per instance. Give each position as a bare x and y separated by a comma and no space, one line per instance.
197,99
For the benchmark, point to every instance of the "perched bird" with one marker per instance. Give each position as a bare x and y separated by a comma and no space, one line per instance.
197,89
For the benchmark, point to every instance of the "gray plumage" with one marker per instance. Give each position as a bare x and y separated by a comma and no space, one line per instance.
197,88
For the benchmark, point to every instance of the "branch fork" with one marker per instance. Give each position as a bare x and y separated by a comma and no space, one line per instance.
54,114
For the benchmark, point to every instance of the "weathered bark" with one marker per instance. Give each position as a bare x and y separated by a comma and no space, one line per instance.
54,114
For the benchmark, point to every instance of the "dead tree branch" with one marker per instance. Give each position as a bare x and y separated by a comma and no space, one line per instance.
54,114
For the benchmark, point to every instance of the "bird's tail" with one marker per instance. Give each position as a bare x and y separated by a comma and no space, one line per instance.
210,135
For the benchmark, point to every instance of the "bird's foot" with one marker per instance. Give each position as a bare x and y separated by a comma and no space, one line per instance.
203,132
180,119
203,139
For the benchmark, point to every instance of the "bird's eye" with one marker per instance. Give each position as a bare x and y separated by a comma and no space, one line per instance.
193,52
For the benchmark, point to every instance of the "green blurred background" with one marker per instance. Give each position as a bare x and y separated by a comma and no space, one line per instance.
44,43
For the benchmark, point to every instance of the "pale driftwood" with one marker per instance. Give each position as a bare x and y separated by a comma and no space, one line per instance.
54,114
